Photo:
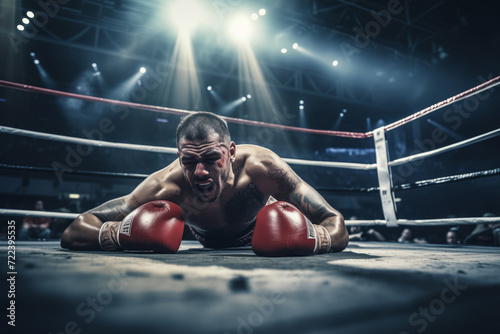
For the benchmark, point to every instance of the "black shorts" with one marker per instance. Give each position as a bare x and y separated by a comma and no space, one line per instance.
244,238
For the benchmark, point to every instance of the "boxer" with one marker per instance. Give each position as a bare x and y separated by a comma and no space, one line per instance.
228,195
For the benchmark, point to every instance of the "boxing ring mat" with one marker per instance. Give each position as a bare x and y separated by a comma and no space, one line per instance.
370,287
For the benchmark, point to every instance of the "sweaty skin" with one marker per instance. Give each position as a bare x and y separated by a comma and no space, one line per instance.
220,187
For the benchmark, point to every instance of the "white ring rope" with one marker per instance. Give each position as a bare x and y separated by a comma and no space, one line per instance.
348,165
173,150
445,149
402,222
90,142
427,222
160,149
449,221
32,213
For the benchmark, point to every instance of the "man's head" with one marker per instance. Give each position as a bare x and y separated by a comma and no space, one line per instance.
198,126
205,153
39,205
406,234
353,229
451,237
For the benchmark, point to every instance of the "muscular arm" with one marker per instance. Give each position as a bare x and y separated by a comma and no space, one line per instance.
83,233
317,209
285,185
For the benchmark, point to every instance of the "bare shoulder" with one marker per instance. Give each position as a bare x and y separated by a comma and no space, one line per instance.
257,159
267,170
164,184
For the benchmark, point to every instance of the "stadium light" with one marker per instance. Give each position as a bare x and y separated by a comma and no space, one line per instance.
187,14
240,29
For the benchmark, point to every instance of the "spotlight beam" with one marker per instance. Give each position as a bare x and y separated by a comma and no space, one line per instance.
229,108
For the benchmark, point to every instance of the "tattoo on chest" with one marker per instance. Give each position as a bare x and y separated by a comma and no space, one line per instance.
286,180
245,204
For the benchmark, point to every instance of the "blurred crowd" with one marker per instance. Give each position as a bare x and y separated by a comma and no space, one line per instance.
33,227
485,234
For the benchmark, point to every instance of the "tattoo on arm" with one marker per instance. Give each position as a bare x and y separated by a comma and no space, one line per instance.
286,180
113,210
312,205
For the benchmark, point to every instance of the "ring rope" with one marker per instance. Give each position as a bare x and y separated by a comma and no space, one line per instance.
143,176
449,221
468,93
160,149
445,149
348,165
409,222
32,213
427,222
76,172
174,111
91,142
171,150
406,186
447,179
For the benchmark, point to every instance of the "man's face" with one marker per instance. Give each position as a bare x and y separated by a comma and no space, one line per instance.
355,229
406,233
451,238
206,165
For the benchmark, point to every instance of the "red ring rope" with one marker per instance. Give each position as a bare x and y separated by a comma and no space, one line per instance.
468,93
175,111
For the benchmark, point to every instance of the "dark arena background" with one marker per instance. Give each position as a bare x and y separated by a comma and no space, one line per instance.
389,109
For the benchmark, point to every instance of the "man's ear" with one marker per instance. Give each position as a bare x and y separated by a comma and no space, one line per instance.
232,151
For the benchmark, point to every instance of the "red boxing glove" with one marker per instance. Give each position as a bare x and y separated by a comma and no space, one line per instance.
155,226
282,230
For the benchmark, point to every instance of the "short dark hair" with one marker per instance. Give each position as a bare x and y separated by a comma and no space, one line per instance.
197,126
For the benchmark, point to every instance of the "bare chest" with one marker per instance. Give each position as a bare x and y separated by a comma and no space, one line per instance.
231,213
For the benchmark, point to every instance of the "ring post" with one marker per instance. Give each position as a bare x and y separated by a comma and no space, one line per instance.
384,178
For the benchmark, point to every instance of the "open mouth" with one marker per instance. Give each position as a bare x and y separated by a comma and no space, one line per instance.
206,187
